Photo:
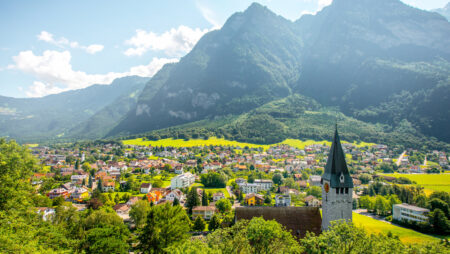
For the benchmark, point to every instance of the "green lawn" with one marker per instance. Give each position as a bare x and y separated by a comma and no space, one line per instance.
431,182
212,190
375,226
223,142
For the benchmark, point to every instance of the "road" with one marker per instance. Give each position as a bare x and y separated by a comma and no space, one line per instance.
425,161
399,160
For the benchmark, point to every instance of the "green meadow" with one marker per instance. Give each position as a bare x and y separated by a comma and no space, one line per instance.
430,182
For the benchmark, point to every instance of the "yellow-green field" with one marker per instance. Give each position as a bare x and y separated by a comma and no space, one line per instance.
32,145
375,226
223,142
212,190
431,182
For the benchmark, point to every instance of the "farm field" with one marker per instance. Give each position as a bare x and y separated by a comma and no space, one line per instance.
223,142
405,235
431,182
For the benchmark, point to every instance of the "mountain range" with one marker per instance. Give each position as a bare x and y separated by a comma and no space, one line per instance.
381,66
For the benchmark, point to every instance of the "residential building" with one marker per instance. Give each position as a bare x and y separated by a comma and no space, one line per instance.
110,185
249,188
58,192
46,212
182,181
314,180
264,184
312,201
218,196
146,187
206,212
409,213
175,194
282,200
254,199
79,194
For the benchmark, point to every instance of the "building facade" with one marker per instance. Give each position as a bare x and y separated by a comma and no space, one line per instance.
182,181
409,213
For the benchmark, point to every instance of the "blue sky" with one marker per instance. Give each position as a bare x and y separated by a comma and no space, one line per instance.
51,46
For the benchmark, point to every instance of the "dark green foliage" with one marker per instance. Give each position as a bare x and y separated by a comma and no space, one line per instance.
107,240
199,224
214,223
213,180
223,205
277,179
166,225
205,200
192,199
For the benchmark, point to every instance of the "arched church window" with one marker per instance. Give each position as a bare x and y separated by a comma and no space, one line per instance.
346,190
337,190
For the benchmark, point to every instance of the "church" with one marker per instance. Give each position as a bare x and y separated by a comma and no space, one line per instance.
337,190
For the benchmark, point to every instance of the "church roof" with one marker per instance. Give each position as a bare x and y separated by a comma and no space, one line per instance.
298,220
336,171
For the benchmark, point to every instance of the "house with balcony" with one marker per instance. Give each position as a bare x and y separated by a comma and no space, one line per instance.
409,213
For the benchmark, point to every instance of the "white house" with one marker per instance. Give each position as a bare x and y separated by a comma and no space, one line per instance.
282,200
315,180
182,181
218,196
264,184
146,187
409,213
175,194
249,188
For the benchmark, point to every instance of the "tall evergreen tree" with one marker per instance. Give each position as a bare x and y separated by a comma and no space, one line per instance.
199,224
99,185
192,199
90,181
214,223
205,198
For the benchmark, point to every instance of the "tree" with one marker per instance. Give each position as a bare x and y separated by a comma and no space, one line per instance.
439,221
192,199
99,185
365,178
436,203
205,200
214,223
107,240
382,205
86,167
94,203
251,179
277,179
16,165
223,205
315,191
77,164
268,198
165,225
213,180
176,202
199,224
139,212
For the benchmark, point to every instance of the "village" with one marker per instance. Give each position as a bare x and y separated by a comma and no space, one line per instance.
222,177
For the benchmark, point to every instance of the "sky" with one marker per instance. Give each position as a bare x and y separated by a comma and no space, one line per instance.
51,46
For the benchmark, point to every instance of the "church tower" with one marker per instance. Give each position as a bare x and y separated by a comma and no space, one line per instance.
337,186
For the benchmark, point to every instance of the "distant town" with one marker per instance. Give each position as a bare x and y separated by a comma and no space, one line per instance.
225,177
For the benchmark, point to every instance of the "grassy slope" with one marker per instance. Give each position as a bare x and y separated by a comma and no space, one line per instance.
405,235
222,142
431,182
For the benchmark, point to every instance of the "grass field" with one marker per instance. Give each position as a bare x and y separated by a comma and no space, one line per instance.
405,235
223,142
212,190
431,182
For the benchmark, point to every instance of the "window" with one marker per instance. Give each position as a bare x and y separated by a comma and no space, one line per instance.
342,190
337,190
346,190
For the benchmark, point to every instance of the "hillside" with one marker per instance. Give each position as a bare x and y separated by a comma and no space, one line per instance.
53,116
297,117
381,62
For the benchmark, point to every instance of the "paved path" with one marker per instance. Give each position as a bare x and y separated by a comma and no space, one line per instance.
425,162
399,160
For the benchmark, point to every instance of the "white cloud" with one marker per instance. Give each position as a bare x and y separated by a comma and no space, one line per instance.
209,15
175,42
54,72
323,3
63,42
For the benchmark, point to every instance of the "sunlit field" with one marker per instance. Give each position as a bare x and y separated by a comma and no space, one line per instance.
375,226
223,142
431,182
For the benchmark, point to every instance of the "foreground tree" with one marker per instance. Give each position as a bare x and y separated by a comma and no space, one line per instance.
223,205
139,212
199,224
214,223
165,225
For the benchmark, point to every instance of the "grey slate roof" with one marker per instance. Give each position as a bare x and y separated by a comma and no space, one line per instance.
336,166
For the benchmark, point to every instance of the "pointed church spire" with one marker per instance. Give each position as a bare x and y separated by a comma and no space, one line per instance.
336,171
